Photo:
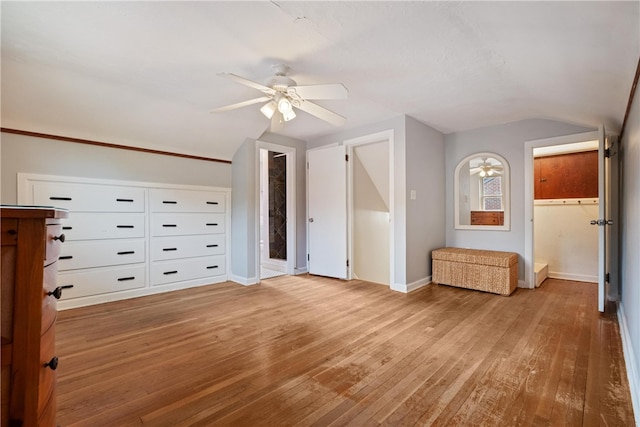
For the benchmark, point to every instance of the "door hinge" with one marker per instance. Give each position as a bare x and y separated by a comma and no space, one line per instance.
346,157
307,257
606,277
307,165
347,263
607,152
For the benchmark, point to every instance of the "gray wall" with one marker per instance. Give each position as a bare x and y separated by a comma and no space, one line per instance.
52,157
508,141
243,208
630,238
425,215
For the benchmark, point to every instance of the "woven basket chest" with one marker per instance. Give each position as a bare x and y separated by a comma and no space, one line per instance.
489,271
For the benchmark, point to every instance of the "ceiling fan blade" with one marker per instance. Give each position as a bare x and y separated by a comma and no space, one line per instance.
248,82
321,113
327,91
277,122
241,104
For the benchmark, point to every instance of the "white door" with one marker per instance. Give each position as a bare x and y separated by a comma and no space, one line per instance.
607,213
327,211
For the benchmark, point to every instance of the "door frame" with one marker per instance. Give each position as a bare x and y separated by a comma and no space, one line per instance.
529,262
351,144
290,153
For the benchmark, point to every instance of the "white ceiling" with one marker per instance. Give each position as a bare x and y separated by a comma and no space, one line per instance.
144,73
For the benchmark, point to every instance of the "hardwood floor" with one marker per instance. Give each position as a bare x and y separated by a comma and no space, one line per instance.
316,351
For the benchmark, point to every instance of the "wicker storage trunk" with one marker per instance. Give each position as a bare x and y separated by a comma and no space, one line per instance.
489,271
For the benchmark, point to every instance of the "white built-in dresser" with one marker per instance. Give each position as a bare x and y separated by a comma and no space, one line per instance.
126,239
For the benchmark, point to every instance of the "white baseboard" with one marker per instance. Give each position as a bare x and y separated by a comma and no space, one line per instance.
405,289
571,276
246,281
301,270
631,363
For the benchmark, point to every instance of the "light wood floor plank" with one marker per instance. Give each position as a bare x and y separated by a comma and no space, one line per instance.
313,351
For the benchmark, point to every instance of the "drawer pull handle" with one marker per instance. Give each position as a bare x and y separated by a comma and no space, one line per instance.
169,249
124,226
61,237
212,224
60,198
169,202
212,246
126,252
67,228
213,203
170,272
169,225
52,364
124,200
211,266
124,279
57,292
66,257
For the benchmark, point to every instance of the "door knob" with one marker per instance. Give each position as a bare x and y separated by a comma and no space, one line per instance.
310,219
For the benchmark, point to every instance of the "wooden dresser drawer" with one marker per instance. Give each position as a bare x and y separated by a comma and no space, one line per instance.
101,253
179,224
53,243
88,197
487,218
47,381
175,247
163,272
49,302
167,200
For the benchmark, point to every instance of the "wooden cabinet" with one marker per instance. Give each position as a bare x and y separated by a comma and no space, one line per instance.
31,240
566,176
487,218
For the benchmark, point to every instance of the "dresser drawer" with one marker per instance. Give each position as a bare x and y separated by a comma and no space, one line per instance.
89,197
49,306
102,280
93,226
186,223
167,200
47,376
53,243
101,253
174,247
163,272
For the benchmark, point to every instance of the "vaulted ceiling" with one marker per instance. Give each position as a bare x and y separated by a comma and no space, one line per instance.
144,74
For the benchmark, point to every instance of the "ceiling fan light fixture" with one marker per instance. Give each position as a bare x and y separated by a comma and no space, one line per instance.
268,109
288,115
284,105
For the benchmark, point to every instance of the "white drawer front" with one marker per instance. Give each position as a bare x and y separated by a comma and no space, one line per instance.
163,272
100,253
167,200
186,223
101,281
88,226
88,197
174,247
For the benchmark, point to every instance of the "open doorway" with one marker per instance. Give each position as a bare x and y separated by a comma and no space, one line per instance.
276,207
565,181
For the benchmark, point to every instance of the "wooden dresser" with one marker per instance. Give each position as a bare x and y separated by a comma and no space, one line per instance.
487,218
30,240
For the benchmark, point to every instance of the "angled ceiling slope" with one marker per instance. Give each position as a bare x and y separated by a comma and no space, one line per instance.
144,73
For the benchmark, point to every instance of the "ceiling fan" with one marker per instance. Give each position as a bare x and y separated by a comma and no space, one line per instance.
282,95
487,168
